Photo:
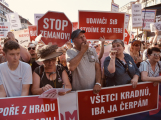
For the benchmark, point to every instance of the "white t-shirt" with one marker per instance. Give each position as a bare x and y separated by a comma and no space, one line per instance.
13,80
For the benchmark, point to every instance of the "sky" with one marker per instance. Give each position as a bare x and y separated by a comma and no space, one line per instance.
27,8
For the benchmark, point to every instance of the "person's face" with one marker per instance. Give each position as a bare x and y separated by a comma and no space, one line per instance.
13,56
31,50
10,36
50,63
136,47
79,40
1,50
118,47
62,57
155,56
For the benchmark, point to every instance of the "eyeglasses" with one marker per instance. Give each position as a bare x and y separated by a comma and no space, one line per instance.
52,60
156,55
31,48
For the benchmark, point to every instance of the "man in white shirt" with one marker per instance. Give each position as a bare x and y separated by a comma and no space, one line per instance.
15,76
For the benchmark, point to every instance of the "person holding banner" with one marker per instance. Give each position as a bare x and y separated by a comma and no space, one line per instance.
25,56
84,64
120,68
50,75
15,76
151,68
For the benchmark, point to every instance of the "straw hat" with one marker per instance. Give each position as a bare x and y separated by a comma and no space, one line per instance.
47,52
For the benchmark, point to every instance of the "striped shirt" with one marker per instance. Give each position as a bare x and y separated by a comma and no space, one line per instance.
146,66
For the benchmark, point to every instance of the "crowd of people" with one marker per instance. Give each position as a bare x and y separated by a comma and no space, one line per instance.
76,66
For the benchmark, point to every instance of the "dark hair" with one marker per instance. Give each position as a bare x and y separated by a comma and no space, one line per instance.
118,41
150,50
10,45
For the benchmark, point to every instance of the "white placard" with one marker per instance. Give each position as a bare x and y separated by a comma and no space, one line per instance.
149,18
136,16
23,37
114,7
14,20
4,29
37,17
155,26
158,18
127,18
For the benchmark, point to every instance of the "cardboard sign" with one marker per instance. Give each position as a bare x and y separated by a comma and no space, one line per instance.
136,16
114,7
32,32
98,24
148,16
117,101
4,29
37,17
14,20
127,19
127,37
23,37
29,108
55,28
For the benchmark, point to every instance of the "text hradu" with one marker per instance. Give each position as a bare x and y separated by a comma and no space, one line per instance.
14,110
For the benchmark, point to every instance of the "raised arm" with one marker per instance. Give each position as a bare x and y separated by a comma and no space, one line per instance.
102,39
25,55
72,64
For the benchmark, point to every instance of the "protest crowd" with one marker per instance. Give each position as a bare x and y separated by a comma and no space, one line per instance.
76,66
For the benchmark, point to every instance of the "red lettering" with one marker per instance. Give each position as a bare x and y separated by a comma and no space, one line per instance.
68,115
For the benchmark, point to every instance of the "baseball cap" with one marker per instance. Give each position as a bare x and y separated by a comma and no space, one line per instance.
75,33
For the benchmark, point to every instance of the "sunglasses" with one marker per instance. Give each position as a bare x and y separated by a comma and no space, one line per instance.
156,55
31,48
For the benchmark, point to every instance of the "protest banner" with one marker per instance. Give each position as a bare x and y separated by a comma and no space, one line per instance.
114,7
75,25
136,16
23,37
4,29
32,32
37,17
55,28
29,108
158,18
14,20
127,19
127,37
98,24
155,26
117,101
148,17
68,106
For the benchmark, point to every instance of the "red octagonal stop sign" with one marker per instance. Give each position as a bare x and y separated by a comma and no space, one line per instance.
55,28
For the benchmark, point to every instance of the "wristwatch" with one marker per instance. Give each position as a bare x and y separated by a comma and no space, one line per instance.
98,84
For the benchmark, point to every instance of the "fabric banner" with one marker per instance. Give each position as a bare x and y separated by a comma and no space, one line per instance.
29,108
112,102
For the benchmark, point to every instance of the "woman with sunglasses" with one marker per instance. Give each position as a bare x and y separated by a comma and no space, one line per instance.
135,52
151,68
119,68
50,75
